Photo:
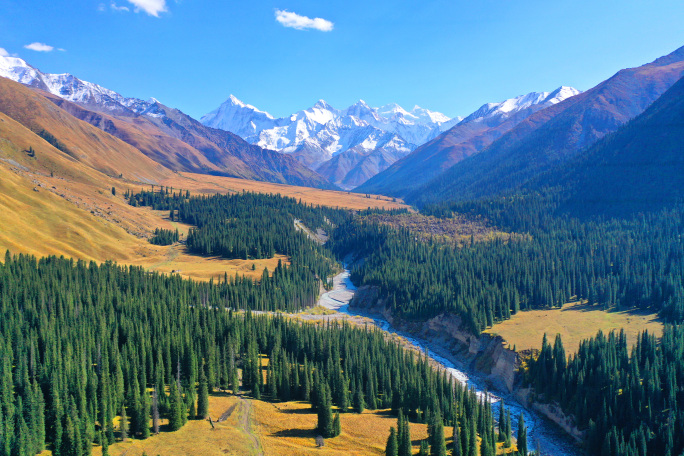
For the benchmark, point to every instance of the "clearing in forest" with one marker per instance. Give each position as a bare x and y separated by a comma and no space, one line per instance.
574,322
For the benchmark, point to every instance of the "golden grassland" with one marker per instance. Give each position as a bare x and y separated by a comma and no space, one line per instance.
574,322
259,427
200,183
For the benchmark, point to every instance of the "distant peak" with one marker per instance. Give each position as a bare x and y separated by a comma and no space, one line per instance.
322,104
153,100
235,101
561,93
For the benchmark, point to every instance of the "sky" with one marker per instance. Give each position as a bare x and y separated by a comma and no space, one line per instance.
283,55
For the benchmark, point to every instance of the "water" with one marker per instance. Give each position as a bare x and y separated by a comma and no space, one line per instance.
542,434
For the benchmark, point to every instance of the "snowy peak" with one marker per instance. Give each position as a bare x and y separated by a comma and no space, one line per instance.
514,105
561,94
238,117
70,88
318,134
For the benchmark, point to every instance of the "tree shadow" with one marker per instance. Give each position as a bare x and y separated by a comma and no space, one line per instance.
303,433
300,411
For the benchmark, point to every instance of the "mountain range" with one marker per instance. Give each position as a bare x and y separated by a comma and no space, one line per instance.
555,134
638,168
347,146
166,135
469,136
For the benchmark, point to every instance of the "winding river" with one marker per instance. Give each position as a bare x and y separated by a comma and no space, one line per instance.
543,435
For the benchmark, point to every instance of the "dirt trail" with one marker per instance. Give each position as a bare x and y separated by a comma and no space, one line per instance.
245,422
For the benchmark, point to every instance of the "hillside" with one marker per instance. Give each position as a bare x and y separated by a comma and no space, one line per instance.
555,134
166,135
638,168
468,137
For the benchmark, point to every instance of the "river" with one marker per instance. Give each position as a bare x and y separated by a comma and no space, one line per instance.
542,434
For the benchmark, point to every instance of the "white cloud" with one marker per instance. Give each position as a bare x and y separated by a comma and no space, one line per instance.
40,47
4,53
295,21
116,7
151,7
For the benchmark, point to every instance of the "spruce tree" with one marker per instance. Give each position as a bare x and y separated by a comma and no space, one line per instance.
337,425
437,443
391,448
359,402
203,397
522,436
324,408
404,435
175,408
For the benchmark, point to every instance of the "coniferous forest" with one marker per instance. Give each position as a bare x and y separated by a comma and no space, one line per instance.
84,343
616,263
628,400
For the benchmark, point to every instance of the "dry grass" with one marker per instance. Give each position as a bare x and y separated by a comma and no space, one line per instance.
458,230
258,427
199,183
574,322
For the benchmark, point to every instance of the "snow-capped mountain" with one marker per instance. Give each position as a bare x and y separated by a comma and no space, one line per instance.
70,88
315,135
166,135
471,135
513,105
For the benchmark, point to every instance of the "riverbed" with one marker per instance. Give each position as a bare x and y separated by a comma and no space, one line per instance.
542,434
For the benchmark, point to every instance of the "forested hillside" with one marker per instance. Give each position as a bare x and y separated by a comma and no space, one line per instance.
628,399
560,258
84,344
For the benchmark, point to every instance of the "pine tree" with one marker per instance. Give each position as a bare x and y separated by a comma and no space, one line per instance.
175,408
424,448
324,408
391,447
403,435
203,397
359,402
456,444
124,424
437,443
522,436
337,425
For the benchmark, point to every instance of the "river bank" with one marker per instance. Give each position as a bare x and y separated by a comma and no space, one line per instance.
543,435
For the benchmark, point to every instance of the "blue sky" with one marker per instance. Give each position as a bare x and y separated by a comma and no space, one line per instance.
449,56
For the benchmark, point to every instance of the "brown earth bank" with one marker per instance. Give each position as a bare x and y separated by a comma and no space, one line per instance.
487,355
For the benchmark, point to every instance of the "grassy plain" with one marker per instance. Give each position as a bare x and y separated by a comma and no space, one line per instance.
200,183
574,322
258,427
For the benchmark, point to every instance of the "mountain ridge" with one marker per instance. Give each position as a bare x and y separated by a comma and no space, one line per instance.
468,137
167,135
555,134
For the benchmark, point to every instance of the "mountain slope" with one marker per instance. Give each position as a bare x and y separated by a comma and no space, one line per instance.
166,135
638,168
80,141
468,137
316,135
555,134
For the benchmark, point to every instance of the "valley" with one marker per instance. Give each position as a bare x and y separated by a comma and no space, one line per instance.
367,280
